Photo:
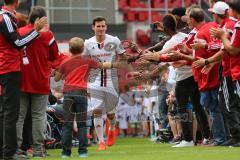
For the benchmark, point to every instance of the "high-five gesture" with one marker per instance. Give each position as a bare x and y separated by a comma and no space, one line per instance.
151,56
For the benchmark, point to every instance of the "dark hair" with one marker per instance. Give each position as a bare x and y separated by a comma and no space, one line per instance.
180,11
169,21
197,14
235,5
7,2
36,12
98,19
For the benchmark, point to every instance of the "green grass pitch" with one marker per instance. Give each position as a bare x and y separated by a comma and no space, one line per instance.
143,149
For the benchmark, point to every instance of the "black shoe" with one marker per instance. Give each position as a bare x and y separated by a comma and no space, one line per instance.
66,153
229,142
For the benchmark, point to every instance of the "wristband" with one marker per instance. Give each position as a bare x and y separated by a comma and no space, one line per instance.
163,58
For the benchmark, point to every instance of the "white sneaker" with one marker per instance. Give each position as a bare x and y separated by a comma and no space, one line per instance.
153,138
184,143
205,141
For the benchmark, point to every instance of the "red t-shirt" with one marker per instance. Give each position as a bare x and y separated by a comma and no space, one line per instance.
60,60
76,72
235,60
228,26
35,75
207,81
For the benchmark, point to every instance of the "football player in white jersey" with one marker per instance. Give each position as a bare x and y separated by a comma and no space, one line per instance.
104,88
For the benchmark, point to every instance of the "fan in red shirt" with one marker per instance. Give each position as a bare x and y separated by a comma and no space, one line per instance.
233,46
208,83
35,80
35,75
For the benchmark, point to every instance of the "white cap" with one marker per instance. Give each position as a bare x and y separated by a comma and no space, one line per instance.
219,8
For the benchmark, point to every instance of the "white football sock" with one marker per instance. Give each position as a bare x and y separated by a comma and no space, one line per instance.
98,123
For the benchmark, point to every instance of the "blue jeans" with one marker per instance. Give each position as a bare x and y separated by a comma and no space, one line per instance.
163,109
74,108
209,100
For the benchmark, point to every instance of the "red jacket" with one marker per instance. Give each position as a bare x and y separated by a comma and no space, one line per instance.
11,42
35,75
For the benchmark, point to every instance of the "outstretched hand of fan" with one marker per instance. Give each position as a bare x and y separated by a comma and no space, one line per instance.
132,50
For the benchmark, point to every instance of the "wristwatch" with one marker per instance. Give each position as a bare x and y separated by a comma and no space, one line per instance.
206,62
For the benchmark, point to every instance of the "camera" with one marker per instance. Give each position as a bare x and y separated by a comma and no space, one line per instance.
161,36
154,26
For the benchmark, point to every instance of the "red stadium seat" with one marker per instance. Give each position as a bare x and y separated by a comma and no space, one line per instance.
174,3
142,15
130,16
122,4
134,3
158,3
156,16
189,2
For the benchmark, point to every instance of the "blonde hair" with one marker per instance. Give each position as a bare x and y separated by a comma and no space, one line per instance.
76,45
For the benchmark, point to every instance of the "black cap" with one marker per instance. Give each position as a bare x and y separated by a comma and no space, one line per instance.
235,5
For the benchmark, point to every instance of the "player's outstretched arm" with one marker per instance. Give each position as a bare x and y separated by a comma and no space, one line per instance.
110,65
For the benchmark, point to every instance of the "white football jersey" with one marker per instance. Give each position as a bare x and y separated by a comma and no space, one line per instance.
104,52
